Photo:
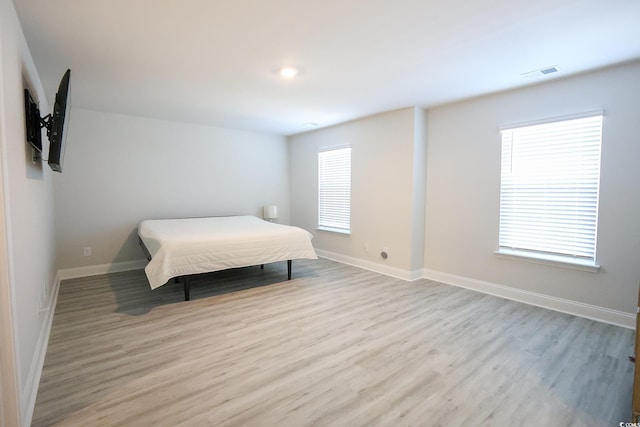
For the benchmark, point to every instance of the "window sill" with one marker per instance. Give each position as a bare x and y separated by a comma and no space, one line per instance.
334,230
547,259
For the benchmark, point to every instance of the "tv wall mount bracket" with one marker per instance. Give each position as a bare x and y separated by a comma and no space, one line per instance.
45,122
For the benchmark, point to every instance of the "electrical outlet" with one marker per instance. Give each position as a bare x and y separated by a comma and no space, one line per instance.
87,251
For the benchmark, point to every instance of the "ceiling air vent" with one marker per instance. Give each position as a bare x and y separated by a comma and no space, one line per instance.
541,72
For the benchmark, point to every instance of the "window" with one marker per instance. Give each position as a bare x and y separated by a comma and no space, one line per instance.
334,190
549,190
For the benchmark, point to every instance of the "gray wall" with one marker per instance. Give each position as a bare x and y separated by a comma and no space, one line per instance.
418,196
453,182
27,236
384,209
120,170
463,187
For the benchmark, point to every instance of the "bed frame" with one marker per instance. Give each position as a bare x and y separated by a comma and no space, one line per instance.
186,280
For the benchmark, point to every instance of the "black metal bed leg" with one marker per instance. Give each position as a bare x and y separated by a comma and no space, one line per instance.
288,269
187,287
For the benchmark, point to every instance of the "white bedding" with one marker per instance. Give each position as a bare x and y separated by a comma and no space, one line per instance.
180,247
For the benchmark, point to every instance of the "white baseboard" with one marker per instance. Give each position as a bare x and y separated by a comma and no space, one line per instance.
398,273
94,270
593,312
29,394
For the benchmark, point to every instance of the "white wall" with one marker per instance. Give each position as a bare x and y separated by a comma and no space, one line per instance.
382,205
120,170
27,200
463,188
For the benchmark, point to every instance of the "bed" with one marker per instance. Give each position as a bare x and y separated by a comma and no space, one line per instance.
180,248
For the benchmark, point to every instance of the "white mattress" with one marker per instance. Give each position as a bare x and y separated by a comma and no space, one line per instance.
180,247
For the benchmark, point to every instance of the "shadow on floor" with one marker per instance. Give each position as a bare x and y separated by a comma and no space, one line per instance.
135,297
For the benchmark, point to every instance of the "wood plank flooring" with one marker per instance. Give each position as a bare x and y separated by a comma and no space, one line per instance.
335,346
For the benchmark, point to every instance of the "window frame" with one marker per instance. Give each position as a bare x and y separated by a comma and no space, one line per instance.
322,223
549,257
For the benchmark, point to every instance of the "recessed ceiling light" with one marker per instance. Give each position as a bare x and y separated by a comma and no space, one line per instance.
310,124
288,72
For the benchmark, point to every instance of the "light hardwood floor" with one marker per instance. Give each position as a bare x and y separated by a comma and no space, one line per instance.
335,346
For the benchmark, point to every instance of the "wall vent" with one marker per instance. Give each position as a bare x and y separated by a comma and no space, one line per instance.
541,72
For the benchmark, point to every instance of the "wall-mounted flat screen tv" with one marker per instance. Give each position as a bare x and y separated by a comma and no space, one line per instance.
58,129
57,123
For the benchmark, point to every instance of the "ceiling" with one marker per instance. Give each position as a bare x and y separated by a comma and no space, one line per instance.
215,62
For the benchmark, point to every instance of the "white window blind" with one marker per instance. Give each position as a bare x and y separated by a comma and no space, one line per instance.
549,187
334,181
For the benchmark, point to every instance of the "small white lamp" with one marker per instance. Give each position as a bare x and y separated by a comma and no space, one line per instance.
270,212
